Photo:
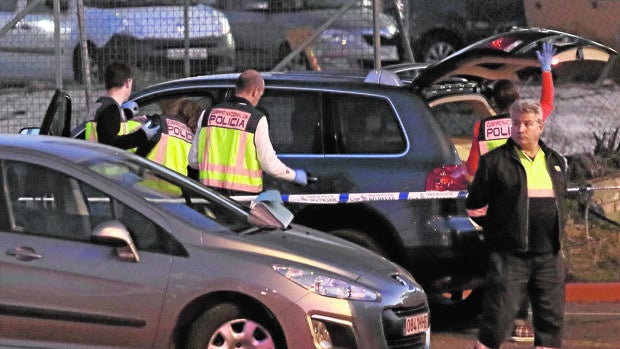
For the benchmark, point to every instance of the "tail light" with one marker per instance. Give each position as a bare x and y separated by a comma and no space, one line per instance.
444,178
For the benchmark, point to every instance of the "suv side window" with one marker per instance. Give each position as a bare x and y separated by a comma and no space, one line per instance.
366,125
294,121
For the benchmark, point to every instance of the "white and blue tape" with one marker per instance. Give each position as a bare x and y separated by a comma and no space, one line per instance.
348,198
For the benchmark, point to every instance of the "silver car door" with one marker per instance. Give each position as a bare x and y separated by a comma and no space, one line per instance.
57,286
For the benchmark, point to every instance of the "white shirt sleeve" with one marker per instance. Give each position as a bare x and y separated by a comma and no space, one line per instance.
267,155
192,156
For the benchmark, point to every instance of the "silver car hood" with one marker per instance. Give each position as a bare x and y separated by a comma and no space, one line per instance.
303,245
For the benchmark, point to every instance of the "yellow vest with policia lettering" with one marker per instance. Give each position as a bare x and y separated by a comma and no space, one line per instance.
494,132
174,144
227,153
126,127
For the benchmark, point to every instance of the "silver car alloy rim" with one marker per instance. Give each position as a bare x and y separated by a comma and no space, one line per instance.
241,334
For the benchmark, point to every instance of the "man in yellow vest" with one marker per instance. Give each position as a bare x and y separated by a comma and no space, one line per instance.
108,123
232,147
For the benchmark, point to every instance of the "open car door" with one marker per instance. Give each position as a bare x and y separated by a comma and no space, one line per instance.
57,120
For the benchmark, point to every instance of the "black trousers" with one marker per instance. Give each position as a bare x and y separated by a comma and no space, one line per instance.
510,278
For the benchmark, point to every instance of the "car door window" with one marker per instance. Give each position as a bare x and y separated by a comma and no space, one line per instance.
294,121
366,125
48,203
44,202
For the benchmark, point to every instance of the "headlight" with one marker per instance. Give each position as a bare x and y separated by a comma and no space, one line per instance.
325,285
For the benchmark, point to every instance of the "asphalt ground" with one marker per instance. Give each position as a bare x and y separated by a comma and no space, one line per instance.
592,320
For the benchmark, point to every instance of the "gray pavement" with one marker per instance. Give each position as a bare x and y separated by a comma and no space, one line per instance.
587,325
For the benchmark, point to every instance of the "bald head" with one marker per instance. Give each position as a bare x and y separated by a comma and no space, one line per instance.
250,85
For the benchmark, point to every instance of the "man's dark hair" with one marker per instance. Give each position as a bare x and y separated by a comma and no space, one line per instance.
115,74
504,94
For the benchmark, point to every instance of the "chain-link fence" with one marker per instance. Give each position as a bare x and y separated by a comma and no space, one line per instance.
43,47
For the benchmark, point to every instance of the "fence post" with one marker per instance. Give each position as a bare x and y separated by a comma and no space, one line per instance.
84,54
58,58
186,67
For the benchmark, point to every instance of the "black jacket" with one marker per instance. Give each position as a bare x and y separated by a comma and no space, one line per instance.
501,183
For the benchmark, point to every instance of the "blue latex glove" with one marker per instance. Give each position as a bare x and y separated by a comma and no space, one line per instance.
546,56
301,177
150,131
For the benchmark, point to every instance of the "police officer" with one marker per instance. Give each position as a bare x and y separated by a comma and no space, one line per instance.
232,146
173,145
107,122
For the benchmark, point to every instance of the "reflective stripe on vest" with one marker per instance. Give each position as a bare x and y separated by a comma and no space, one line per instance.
91,130
494,132
173,146
227,156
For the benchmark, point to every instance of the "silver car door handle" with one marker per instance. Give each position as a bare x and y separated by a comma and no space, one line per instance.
24,253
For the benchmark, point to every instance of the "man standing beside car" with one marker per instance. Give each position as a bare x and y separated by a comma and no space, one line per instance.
517,196
232,147
494,131
108,123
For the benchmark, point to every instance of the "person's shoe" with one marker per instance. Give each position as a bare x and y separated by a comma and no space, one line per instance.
522,333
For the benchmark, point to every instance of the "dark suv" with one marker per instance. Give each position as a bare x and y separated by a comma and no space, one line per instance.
398,140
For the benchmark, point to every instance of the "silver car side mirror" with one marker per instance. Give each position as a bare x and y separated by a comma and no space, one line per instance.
114,233
268,211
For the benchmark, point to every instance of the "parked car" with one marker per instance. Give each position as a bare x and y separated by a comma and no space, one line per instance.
266,31
153,36
103,248
440,28
147,33
381,133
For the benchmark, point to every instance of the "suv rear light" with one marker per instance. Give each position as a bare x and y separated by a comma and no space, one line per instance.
444,178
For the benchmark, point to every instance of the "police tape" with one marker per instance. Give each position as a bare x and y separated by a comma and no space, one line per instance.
349,198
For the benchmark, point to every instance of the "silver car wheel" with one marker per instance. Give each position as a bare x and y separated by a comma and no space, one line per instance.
241,333
232,326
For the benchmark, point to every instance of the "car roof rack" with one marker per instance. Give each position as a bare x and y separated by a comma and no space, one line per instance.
383,77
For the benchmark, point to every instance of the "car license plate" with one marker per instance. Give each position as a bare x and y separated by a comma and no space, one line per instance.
388,53
416,324
192,53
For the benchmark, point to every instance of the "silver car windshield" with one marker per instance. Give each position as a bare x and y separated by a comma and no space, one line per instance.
178,196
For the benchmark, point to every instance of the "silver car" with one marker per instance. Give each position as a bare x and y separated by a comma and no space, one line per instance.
150,34
102,248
